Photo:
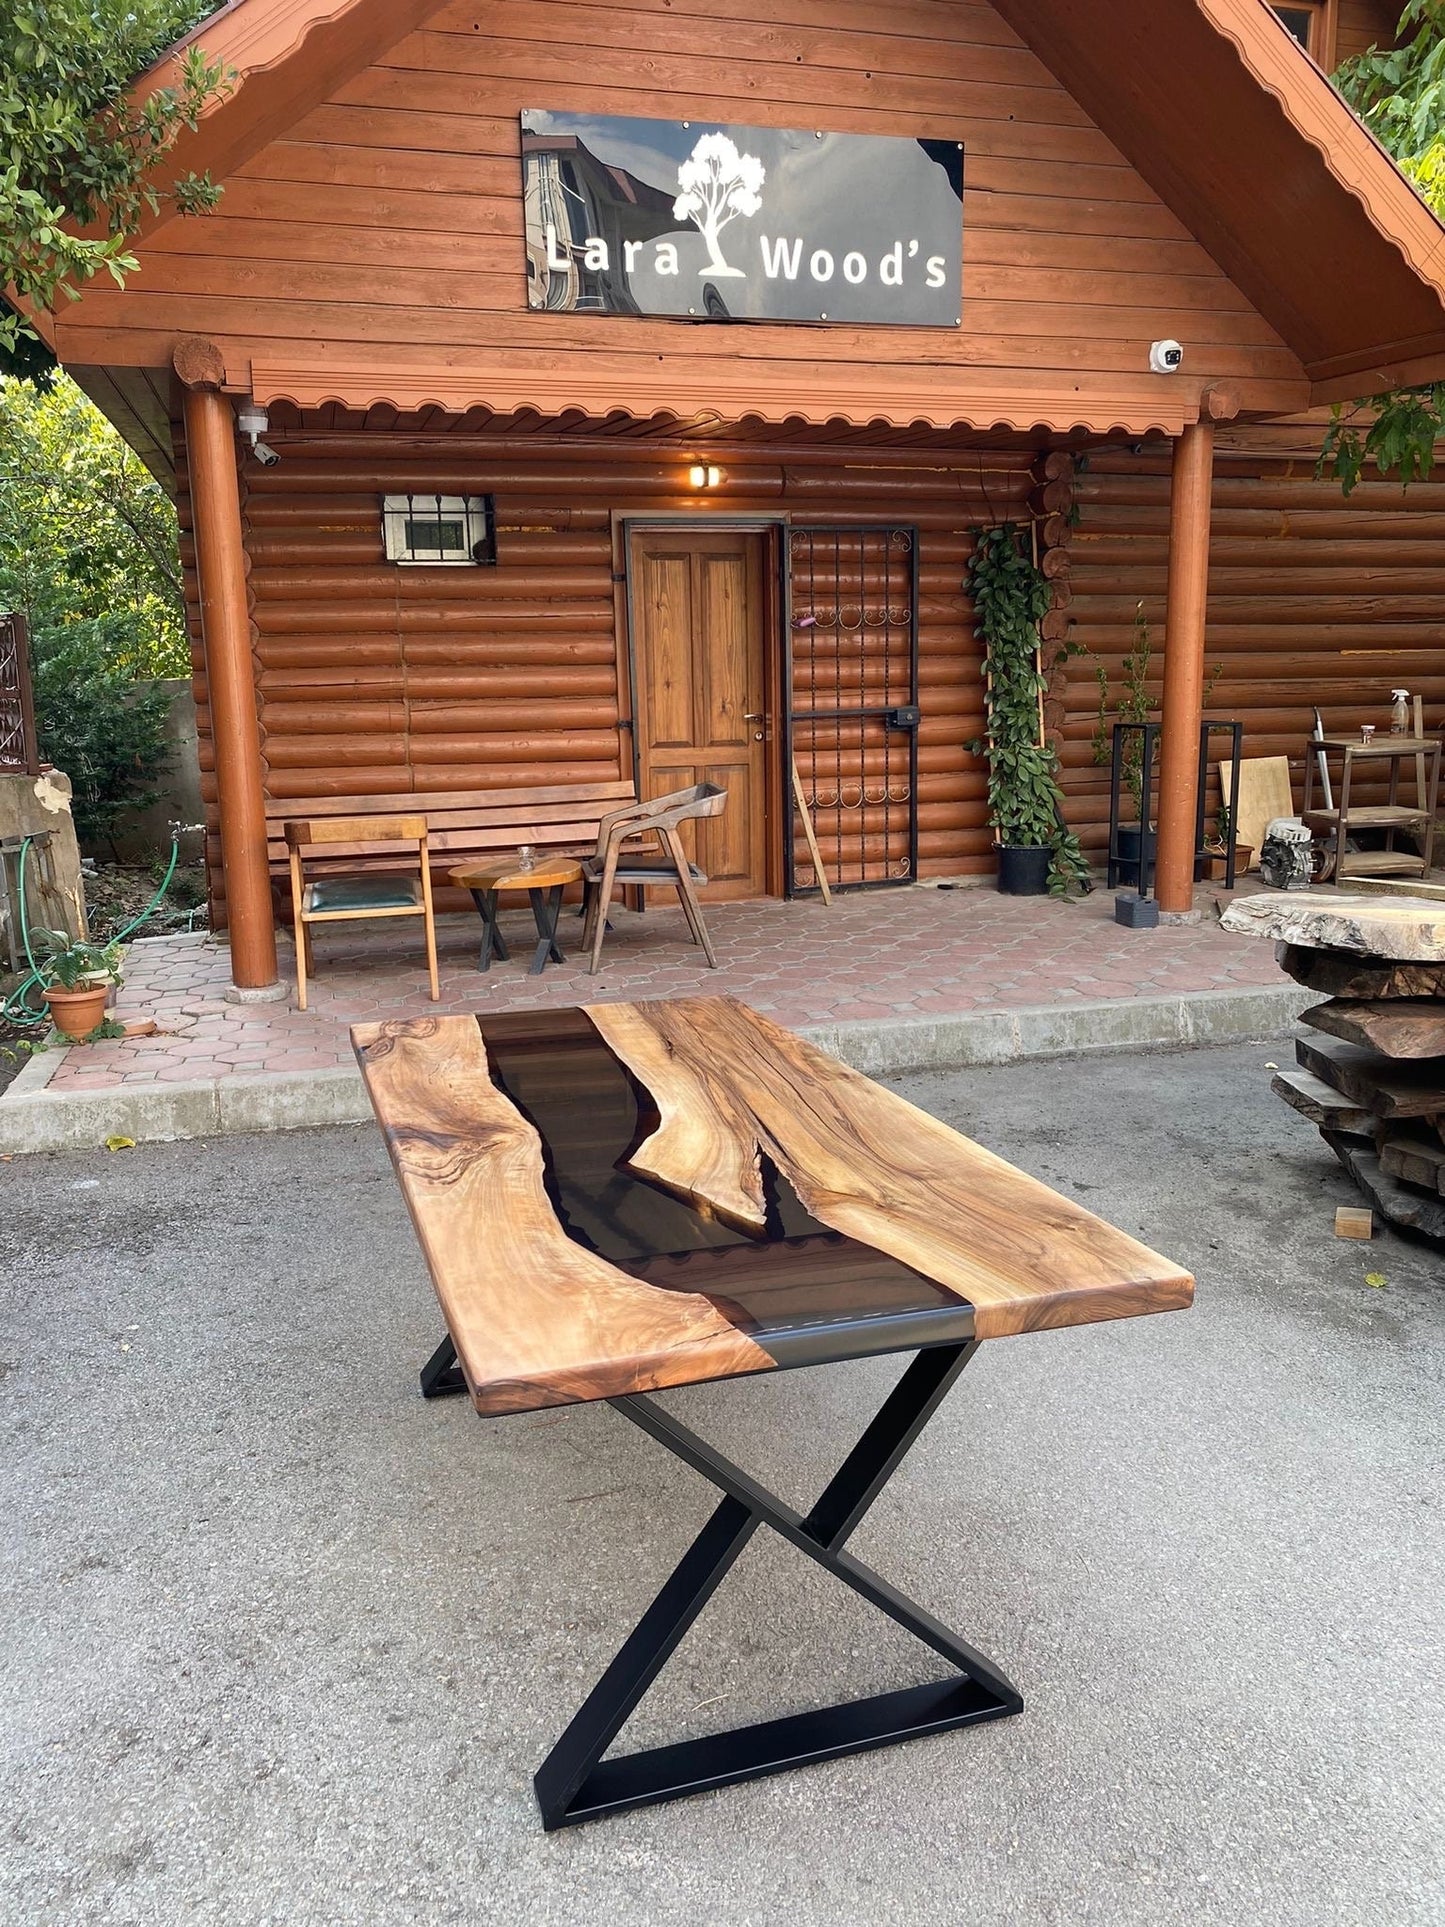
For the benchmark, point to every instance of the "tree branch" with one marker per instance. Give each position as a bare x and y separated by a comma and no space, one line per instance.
158,557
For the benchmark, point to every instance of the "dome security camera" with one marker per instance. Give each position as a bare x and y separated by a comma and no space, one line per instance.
1165,357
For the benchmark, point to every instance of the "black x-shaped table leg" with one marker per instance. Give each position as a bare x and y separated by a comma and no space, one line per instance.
575,1783
493,944
546,908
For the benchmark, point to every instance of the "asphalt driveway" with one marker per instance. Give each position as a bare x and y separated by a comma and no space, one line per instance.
284,1644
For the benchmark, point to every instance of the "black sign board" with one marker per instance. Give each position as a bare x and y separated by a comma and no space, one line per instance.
728,223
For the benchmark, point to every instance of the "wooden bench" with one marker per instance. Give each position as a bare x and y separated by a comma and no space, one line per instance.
462,825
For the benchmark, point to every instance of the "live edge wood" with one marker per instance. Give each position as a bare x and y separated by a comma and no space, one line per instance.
1321,1103
536,1318
1400,1203
1338,973
1401,1030
731,1086
1386,1087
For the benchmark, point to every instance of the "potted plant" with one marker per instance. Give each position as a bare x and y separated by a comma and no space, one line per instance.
1134,704
1010,596
77,977
1216,848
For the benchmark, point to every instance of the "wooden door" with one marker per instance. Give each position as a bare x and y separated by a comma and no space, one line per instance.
699,617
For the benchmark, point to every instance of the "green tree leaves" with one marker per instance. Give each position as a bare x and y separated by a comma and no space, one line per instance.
78,154
85,529
95,722
1010,598
88,548
1400,96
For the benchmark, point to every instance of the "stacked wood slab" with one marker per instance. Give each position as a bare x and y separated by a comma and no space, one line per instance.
1371,1069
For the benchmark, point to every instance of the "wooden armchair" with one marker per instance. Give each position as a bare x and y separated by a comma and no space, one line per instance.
335,897
640,869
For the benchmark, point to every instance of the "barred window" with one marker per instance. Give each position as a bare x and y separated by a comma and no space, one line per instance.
447,531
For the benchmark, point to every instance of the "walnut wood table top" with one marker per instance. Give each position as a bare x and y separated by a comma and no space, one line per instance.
624,1197
545,874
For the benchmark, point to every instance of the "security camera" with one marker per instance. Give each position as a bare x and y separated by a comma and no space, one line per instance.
253,421
1165,357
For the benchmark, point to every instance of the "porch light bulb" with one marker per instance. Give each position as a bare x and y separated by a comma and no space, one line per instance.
697,475
714,476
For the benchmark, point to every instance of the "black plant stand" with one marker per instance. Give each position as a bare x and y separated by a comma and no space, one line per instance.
1120,866
1142,867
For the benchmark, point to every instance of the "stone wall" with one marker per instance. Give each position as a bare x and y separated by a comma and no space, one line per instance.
144,834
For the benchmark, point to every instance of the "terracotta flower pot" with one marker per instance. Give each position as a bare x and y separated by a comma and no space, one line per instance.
77,1012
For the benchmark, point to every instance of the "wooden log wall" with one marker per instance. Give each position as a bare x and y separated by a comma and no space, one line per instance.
1313,599
386,224
374,678
1362,24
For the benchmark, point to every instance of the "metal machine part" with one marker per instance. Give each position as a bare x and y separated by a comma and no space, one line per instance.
1285,860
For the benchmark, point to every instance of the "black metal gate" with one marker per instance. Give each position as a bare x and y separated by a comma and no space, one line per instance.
852,680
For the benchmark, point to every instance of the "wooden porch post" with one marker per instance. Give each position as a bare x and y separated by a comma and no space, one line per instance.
1189,505
225,623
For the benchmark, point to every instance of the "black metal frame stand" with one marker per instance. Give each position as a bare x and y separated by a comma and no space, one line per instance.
575,1783
441,1375
1151,734
546,909
1236,752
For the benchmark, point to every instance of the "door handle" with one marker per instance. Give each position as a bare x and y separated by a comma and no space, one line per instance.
754,719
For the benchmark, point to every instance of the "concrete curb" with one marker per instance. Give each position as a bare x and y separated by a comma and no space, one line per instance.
891,1047
35,1118
36,1072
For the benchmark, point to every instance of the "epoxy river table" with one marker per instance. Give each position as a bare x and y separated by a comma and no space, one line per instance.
625,1197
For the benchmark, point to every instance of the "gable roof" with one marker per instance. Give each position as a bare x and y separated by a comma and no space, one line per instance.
1212,101
284,56
1240,133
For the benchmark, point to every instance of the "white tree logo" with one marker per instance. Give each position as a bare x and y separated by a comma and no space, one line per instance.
718,183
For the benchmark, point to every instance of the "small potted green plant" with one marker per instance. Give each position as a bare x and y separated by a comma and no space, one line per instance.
1134,704
78,977
1010,596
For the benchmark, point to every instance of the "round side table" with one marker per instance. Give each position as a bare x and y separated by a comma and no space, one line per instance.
544,884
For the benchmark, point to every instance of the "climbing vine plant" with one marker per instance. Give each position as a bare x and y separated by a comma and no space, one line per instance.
1010,598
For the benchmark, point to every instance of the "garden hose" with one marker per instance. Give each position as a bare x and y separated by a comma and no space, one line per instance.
25,1007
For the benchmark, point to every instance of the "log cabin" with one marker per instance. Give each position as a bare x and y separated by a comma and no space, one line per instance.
567,391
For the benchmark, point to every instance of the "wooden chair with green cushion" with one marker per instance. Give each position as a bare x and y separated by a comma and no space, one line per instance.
335,897
612,867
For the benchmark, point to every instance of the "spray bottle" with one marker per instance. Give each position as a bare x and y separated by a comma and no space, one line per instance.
1399,712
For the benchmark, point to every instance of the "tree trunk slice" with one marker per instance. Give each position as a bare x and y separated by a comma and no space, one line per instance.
198,363
1320,1103
731,1086
1399,1030
1397,929
1339,973
536,1318
1385,1086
